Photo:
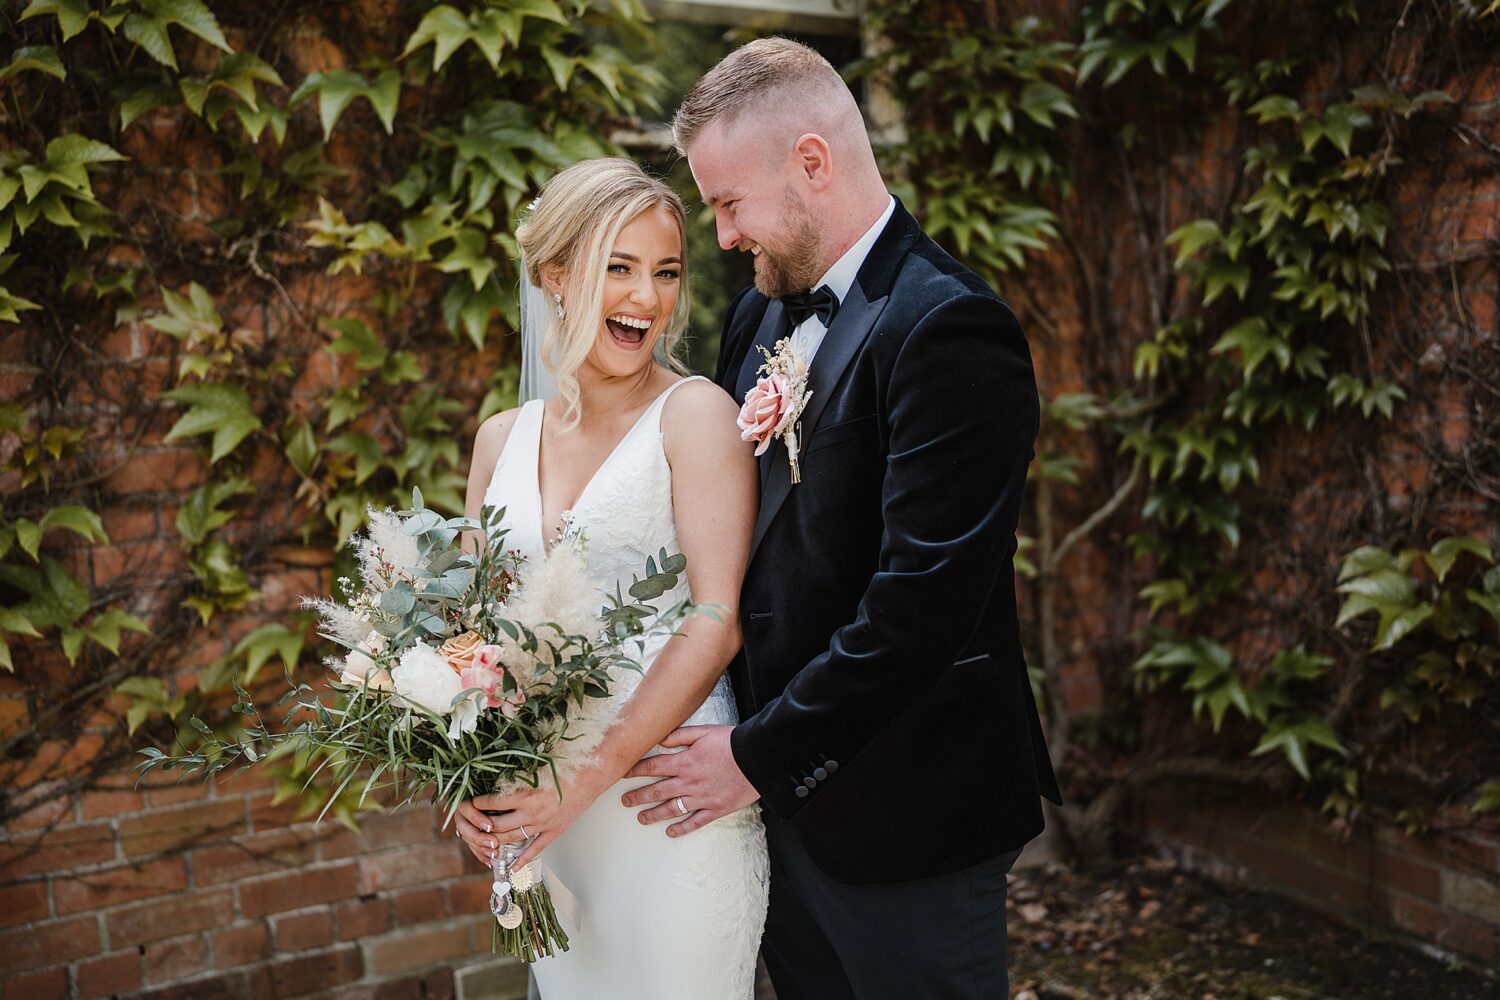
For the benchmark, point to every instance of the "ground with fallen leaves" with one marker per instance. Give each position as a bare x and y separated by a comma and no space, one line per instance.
1150,930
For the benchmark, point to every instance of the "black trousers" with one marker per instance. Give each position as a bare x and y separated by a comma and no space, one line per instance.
940,938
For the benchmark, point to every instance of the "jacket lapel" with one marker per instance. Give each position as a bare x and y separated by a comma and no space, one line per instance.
855,319
772,328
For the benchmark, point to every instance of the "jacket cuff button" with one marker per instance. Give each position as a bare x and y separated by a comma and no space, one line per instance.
801,792
819,773
831,765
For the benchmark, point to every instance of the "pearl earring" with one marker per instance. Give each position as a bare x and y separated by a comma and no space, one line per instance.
557,297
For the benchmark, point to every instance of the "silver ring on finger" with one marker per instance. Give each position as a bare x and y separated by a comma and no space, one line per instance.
524,834
682,809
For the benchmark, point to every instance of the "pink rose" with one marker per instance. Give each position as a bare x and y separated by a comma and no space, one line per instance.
765,413
487,656
492,684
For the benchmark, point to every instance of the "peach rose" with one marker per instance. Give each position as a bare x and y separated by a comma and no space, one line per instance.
459,651
359,671
765,412
492,684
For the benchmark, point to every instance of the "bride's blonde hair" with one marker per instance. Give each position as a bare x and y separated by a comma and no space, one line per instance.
573,225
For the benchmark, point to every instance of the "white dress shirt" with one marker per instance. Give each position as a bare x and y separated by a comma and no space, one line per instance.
809,334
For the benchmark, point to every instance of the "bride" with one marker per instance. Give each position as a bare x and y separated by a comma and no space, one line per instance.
639,458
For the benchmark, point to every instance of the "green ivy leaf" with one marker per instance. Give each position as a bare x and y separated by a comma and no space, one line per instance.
223,410
264,642
300,445
223,580
1192,237
200,514
1275,108
1255,341
11,306
72,15
55,598
384,96
29,537
368,454
155,92
1446,552
356,338
468,256
445,28
105,629
41,58
148,29
66,161
79,520
560,64
1294,738
236,75
13,621
336,89
1041,100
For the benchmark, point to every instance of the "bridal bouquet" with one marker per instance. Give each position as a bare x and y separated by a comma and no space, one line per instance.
464,673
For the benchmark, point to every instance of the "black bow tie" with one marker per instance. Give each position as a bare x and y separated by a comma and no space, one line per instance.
820,302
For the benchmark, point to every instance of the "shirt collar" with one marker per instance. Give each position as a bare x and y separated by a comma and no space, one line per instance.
841,275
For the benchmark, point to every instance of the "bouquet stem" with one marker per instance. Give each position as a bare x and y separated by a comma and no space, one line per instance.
526,922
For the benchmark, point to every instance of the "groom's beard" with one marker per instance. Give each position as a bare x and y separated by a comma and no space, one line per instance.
793,265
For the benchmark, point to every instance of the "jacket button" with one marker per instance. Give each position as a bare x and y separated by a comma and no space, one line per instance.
809,782
832,765
820,773
801,792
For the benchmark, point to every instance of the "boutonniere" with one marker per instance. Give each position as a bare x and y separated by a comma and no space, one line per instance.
774,405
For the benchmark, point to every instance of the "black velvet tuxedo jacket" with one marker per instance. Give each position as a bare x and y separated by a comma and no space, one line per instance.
887,715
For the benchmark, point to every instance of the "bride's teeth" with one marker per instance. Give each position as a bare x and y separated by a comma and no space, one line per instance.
636,324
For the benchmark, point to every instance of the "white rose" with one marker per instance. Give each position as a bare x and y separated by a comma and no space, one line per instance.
424,678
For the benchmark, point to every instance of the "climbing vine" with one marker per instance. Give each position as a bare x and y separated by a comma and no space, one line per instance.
1198,222
255,276
262,251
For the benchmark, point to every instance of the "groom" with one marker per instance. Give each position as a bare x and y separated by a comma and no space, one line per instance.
889,730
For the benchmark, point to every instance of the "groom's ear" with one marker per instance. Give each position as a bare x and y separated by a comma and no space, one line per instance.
815,160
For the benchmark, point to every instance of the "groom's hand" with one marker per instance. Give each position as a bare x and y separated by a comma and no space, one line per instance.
703,777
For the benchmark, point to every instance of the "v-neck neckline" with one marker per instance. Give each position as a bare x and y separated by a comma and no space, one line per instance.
541,511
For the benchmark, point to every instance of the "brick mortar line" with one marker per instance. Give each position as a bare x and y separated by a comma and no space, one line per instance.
1365,878
1319,902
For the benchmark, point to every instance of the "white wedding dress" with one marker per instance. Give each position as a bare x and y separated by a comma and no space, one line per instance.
659,917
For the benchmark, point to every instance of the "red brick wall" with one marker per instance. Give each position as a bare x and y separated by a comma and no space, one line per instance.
184,890
192,892
1440,889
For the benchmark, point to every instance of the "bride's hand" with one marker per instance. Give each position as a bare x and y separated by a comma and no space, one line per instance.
534,814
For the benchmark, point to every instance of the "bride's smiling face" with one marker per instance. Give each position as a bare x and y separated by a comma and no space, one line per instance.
641,284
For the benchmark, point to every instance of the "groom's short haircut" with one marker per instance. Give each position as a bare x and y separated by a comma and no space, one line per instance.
774,77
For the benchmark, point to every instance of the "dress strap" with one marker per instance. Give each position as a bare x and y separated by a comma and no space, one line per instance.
516,466
524,441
